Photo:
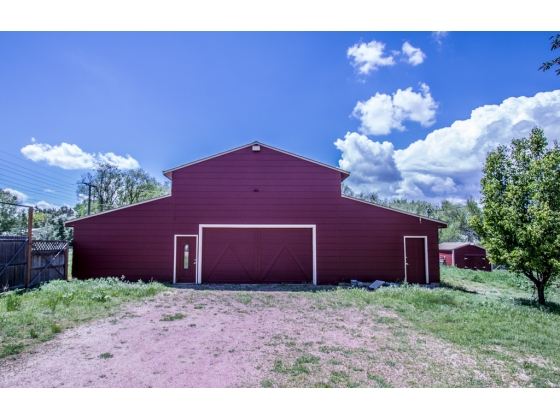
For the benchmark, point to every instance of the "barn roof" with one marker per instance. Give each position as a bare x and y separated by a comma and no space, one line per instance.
345,174
395,210
450,246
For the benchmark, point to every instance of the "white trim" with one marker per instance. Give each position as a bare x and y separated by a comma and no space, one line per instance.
175,237
313,233
392,209
119,208
425,255
252,144
453,258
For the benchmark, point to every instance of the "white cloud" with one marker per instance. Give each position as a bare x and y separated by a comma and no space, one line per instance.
383,113
369,57
48,190
45,205
448,163
413,55
22,197
70,156
439,35
33,140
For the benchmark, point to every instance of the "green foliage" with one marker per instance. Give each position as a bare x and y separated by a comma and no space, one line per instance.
456,215
555,45
115,188
520,223
42,312
13,302
48,224
8,213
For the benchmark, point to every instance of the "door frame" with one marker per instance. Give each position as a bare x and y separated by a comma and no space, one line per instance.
237,226
175,237
425,255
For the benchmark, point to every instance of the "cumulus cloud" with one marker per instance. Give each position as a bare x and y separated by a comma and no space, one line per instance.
70,156
413,55
369,57
383,113
447,164
22,197
439,35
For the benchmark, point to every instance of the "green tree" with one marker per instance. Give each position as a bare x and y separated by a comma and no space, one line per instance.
112,188
520,223
8,213
555,45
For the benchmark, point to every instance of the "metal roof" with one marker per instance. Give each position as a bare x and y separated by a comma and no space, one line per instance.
450,246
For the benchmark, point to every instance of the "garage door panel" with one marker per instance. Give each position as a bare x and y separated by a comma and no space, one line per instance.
255,255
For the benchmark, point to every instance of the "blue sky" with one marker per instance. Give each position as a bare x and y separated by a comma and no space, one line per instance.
412,113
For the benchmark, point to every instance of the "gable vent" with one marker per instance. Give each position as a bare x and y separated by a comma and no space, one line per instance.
256,147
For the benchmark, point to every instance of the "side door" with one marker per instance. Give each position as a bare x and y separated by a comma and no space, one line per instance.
185,259
415,260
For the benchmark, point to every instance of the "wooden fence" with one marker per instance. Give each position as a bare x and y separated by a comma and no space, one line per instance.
49,261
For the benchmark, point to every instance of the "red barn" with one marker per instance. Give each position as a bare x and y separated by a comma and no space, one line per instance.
464,255
256,214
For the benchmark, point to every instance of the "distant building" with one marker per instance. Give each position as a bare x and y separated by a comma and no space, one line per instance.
464,255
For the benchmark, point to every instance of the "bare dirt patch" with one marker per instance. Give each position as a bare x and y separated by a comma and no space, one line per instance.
224,338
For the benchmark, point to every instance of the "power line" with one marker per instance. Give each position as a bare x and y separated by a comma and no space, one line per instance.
31,162
61,197
19,168
35,182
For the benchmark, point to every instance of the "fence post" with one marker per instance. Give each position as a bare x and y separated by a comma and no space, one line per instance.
66,252
29,238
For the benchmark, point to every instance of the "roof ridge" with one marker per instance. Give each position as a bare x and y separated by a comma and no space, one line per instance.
165,172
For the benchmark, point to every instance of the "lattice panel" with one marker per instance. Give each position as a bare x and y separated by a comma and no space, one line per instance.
48,245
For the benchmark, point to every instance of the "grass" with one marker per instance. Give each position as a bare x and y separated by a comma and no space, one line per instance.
37,315
490,313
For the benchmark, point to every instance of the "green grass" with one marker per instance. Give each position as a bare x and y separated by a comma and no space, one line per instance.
489,313
28,317
172,317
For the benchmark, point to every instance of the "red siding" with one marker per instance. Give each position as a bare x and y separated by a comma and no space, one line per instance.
355,240
448,255
469,250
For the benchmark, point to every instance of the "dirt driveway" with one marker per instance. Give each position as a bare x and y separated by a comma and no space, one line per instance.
253,338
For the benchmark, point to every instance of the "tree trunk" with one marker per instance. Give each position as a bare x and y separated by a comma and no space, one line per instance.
540,292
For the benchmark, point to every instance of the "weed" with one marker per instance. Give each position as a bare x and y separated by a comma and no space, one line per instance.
33,333
55,329
265,383
11,349
13,302
106,356
192,325
307,359
172,317
379,380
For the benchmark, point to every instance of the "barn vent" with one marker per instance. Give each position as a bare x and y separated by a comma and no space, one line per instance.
256,147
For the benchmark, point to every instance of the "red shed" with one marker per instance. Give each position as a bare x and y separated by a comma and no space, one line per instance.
464,255
256,214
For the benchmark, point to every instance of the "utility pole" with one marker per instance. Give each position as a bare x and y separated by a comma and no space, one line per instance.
29,238
89,195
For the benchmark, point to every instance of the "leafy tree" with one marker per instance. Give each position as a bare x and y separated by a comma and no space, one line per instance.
520,224
456,215
113,188
49,223
555,45
8,213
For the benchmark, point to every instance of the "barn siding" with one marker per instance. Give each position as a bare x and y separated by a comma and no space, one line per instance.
355,240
